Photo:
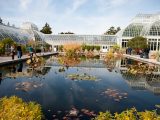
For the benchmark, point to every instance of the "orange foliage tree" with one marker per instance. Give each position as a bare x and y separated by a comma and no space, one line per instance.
72,61
72,49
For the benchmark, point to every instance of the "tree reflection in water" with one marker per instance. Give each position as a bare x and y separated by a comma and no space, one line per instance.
111,63
22,70
0,77
69,61
36,62
40,71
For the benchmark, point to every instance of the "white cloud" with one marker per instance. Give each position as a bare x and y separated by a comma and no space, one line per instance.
116,3
36,11
25,3
71,19
75,5
106,4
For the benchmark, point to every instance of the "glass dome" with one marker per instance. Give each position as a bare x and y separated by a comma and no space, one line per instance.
133,30
154,29
29,26
143,25
20,35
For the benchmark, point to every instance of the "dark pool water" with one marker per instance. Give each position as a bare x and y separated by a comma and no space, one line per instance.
58,94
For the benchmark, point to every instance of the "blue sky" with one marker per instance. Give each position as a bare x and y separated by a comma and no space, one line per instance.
78,16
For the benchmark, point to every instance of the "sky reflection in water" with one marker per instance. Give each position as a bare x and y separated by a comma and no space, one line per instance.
56,92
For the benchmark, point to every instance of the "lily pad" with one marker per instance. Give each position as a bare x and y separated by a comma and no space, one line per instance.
81,77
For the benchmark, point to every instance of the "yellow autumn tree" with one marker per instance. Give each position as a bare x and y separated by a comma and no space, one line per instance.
14,108
72,49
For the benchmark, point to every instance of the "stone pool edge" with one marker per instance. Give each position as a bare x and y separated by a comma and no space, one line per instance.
144,60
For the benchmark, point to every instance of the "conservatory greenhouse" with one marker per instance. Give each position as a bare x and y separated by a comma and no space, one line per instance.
146,25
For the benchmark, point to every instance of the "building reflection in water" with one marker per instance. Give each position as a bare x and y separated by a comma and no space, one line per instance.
136,81
21,70
149,81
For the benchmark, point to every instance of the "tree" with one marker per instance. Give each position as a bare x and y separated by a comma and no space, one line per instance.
66,33
15,108
72,49
118,29
62,33
8,24
8,41
60,48
97,48
1,21
137,43
1,48
116,48
69,33
130,114
47,46
112,31
46,29
5,44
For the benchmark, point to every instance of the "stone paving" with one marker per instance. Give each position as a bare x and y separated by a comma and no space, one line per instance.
137,57
7,60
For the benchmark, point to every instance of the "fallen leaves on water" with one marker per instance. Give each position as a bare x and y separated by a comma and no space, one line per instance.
75,114
88,113
115,94
140,69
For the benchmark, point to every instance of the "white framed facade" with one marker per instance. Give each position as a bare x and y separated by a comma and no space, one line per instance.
145,25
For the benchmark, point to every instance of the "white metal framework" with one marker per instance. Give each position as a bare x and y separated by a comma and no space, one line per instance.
29,31
86,39
20,35
146,25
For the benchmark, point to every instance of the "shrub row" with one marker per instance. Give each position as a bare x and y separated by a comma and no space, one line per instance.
90,47
131,114
14,108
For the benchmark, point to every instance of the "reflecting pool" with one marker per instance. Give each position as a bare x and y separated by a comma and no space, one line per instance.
89,86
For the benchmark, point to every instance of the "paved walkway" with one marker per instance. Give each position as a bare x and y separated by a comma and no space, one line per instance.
8,60
144,60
